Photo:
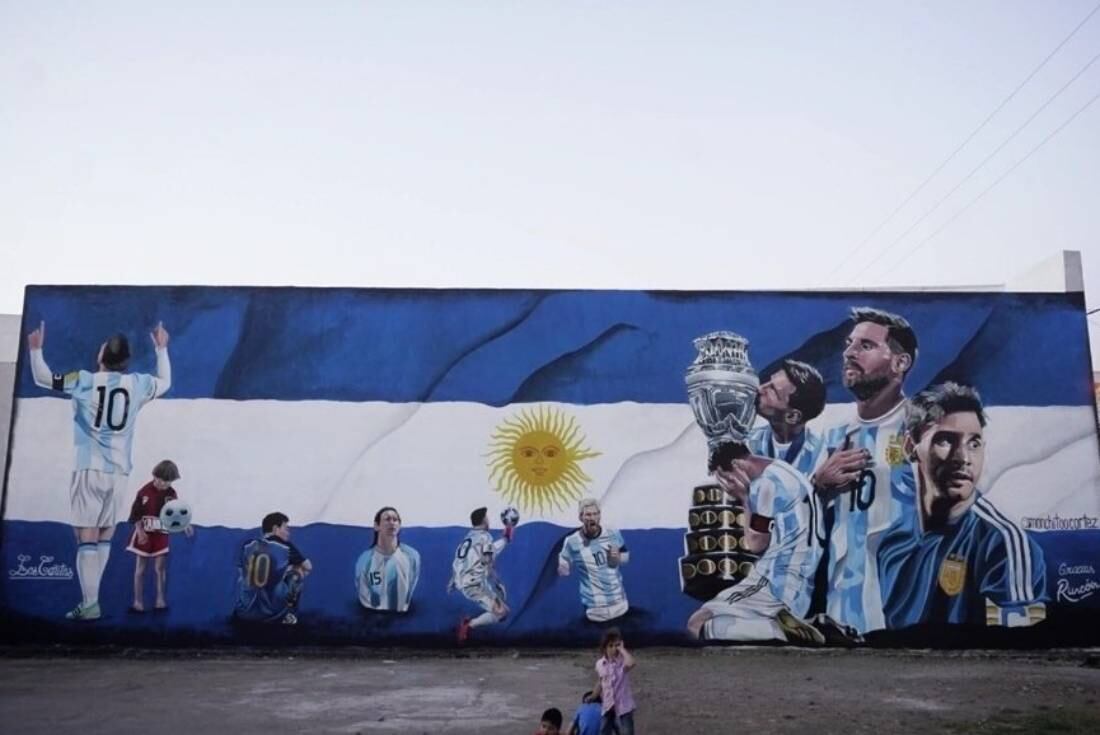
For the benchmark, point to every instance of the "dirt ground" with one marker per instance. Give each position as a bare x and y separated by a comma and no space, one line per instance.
729,690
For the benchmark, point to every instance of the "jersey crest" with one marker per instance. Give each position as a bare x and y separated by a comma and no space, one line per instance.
895,451
952,575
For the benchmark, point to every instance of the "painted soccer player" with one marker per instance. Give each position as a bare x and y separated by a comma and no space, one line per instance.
792,395
386,574
106,404
270,574
957,559
784,527
598,554
473,573
865,482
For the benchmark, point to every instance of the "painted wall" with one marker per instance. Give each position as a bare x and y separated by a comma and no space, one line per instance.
329,404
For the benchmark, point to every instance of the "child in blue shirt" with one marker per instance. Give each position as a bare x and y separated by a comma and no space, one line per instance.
587,719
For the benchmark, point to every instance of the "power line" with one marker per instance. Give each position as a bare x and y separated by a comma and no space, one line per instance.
843,261
975,200
977,168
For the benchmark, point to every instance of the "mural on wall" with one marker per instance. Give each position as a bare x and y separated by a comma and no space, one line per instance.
421,466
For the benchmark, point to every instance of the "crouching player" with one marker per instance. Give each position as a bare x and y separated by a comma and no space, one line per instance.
785,527
270,572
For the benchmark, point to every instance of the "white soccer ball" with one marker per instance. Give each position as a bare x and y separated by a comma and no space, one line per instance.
509,516
175,516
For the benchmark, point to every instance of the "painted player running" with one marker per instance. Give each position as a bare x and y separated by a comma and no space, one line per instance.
598,554
771,602
957,559
473,572
106,404
386,574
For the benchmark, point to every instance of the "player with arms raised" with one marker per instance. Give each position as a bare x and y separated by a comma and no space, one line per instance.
473,572
106,404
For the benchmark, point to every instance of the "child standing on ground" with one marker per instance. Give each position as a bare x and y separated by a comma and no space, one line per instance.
149,540
613,670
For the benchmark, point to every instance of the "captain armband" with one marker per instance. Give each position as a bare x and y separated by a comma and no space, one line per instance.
761,524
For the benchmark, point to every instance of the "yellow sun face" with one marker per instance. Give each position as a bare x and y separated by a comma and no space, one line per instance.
534,460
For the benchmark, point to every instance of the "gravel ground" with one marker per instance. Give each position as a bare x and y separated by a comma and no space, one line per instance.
724,690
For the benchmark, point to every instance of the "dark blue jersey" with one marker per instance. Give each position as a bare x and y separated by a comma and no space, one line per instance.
949,575
265,590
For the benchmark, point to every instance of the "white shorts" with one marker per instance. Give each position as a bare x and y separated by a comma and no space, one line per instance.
746,612
490,598
92,497
607,612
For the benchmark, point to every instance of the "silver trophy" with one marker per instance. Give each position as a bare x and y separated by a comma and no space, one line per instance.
722,389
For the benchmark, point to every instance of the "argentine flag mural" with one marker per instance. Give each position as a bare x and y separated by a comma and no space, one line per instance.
328,406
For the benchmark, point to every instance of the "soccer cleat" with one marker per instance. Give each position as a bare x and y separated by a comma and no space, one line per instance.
463,630
837,634
80,612
797,631
289,619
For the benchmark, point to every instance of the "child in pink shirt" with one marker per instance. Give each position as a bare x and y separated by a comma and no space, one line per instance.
614,684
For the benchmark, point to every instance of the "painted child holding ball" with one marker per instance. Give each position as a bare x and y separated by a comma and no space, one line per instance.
150,539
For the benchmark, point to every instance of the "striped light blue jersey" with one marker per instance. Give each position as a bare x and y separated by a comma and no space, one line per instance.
105,409
787,497
387,581
600,584
947,575
473,562
802,454
863,513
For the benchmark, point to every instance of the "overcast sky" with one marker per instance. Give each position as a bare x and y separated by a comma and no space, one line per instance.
729,145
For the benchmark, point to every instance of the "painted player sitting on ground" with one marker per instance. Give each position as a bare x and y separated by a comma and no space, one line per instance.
105,409
474,574
956,558
771,602
597,553
149,540
270,574
386,574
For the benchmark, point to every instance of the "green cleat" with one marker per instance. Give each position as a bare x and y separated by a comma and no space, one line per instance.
80,612
799,632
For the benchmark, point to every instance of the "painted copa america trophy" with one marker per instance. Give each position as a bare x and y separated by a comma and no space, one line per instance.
722,389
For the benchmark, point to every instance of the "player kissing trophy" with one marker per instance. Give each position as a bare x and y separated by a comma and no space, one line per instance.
722,389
